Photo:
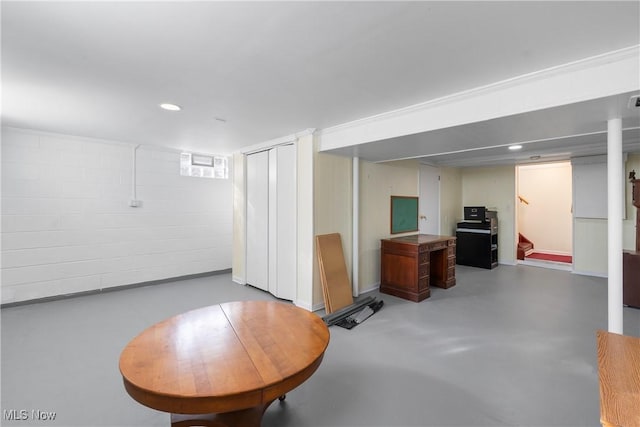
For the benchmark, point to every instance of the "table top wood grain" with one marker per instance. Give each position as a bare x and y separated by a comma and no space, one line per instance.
619,378
223,357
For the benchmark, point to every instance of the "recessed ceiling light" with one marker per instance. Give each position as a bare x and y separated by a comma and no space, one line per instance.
170,107
515,147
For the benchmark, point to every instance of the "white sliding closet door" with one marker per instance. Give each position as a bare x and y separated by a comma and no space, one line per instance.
258,220
271,221
282,222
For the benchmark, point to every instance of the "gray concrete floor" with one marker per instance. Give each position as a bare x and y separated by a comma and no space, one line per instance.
513,346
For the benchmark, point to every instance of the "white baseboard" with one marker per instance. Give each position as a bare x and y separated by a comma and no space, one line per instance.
320,306
370,288
591,273
308,306
546,264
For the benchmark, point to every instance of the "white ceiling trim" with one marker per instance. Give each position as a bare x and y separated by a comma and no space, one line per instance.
591,78
56,135
276,142
44,136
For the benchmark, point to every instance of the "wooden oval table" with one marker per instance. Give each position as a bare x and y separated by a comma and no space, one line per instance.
223,364
619,379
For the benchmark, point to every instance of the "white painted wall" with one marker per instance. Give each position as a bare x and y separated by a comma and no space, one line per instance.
67,226
333,209
494,188
548,219
378,182
239,219
590,246
450,200
305,210
591,235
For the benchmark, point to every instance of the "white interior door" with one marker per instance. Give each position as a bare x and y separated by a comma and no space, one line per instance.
429,201
258,220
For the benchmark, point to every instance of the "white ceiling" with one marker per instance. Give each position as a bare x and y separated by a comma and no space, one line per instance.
270,69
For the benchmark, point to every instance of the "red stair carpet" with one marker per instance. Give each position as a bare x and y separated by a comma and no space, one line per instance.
550,257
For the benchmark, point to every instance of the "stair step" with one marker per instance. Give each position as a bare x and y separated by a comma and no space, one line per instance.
524,249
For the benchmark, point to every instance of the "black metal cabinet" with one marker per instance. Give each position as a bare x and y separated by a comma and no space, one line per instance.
477,243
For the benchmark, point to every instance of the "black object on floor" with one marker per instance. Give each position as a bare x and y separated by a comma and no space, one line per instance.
333,318
353,320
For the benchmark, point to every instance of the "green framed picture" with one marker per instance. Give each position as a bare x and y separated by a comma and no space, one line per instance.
404,214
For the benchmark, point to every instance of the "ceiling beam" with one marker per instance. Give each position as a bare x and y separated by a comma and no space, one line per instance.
596,77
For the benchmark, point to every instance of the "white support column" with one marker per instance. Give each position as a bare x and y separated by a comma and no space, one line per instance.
355,227
615,204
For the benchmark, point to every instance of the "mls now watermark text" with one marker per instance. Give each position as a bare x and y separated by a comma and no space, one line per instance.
24,414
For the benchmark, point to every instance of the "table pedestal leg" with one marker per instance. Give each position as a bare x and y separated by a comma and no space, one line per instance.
251,417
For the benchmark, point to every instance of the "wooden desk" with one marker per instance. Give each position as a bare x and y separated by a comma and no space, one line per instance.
631,278
227,361
619,377
409,265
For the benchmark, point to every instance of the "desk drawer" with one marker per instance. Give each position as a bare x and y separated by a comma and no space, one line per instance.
423,283
423,270
451,262
423,258
436,246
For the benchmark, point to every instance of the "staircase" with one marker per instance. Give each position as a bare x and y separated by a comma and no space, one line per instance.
525,246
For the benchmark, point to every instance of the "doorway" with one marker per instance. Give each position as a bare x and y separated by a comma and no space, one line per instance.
544,215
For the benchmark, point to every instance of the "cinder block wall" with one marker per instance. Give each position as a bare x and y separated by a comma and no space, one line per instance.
67,226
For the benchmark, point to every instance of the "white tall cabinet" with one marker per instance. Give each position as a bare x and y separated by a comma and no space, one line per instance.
271,221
